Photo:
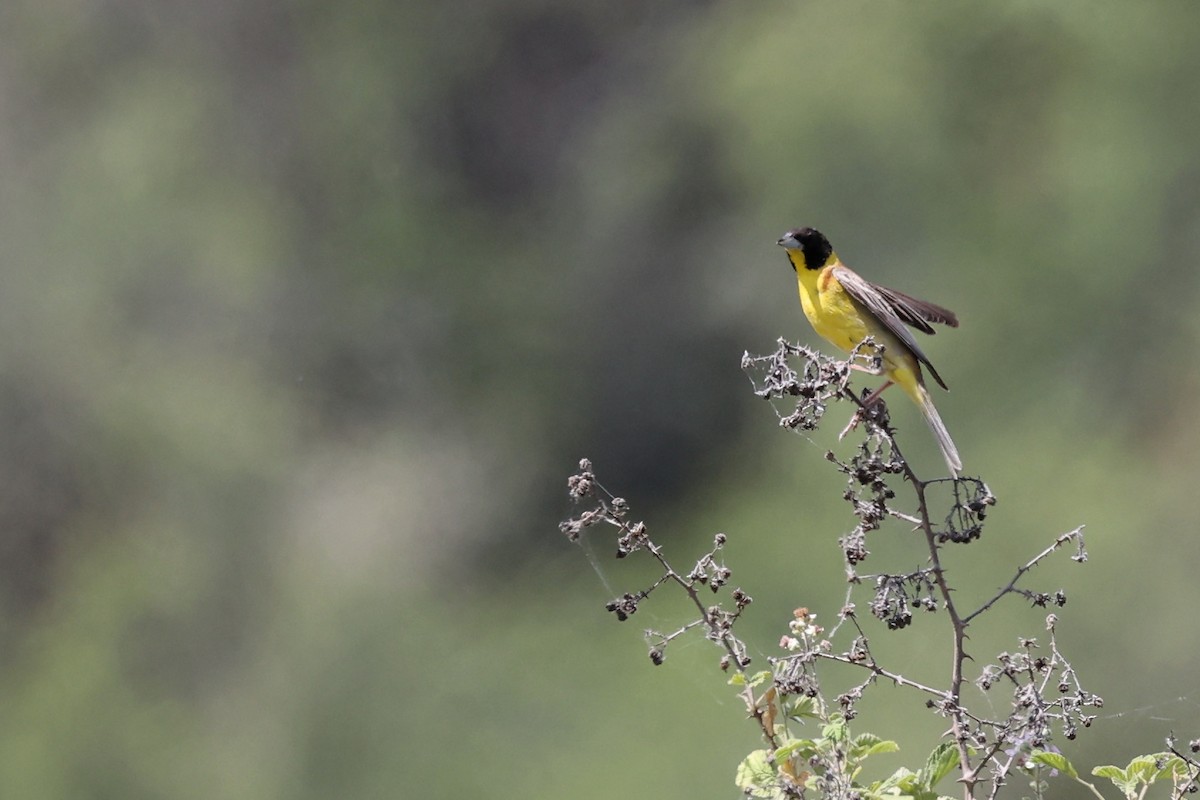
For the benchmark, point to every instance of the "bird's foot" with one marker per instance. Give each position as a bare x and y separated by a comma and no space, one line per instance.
851,425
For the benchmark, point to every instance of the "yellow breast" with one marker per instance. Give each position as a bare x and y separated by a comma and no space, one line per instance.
833,315
844,324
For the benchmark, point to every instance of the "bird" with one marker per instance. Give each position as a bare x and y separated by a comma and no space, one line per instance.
844,308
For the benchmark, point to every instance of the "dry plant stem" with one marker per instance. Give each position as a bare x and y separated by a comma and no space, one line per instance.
970,774
753,706
952,698
715,619
1006,767
987,751
1193,767
872,666
1033,562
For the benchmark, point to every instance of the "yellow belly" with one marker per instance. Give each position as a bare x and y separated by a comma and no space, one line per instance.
834,316
844,324
832,313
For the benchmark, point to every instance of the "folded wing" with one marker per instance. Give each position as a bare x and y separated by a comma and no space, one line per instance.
917,313
896,310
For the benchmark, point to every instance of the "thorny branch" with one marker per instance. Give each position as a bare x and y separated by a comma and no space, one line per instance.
812,388
1046,696
1188,782
1037,598
633,537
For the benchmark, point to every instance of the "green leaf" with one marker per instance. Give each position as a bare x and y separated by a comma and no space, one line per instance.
1119,777
885,746
756,776
868,744
903,784
801,707
761,677
891,795
1054,761
1146,768
941,761
865,740
835,730
1174,765
805,747
755,680
902,780
1142,768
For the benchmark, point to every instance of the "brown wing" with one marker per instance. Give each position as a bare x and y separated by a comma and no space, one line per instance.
894,309
918,313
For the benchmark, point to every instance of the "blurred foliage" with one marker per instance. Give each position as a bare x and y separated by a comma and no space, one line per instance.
307,307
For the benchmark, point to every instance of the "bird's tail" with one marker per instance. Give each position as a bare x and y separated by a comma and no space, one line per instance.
940,434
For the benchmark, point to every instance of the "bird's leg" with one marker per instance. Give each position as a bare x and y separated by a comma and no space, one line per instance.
870,399
867,402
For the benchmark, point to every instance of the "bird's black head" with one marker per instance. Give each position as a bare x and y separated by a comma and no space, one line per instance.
810,243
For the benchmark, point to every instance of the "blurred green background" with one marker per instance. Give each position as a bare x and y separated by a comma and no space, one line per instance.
308,309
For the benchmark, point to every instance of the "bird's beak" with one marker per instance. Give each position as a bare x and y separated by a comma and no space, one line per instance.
783,241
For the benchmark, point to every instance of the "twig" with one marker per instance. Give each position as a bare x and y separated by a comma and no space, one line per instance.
1075,535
